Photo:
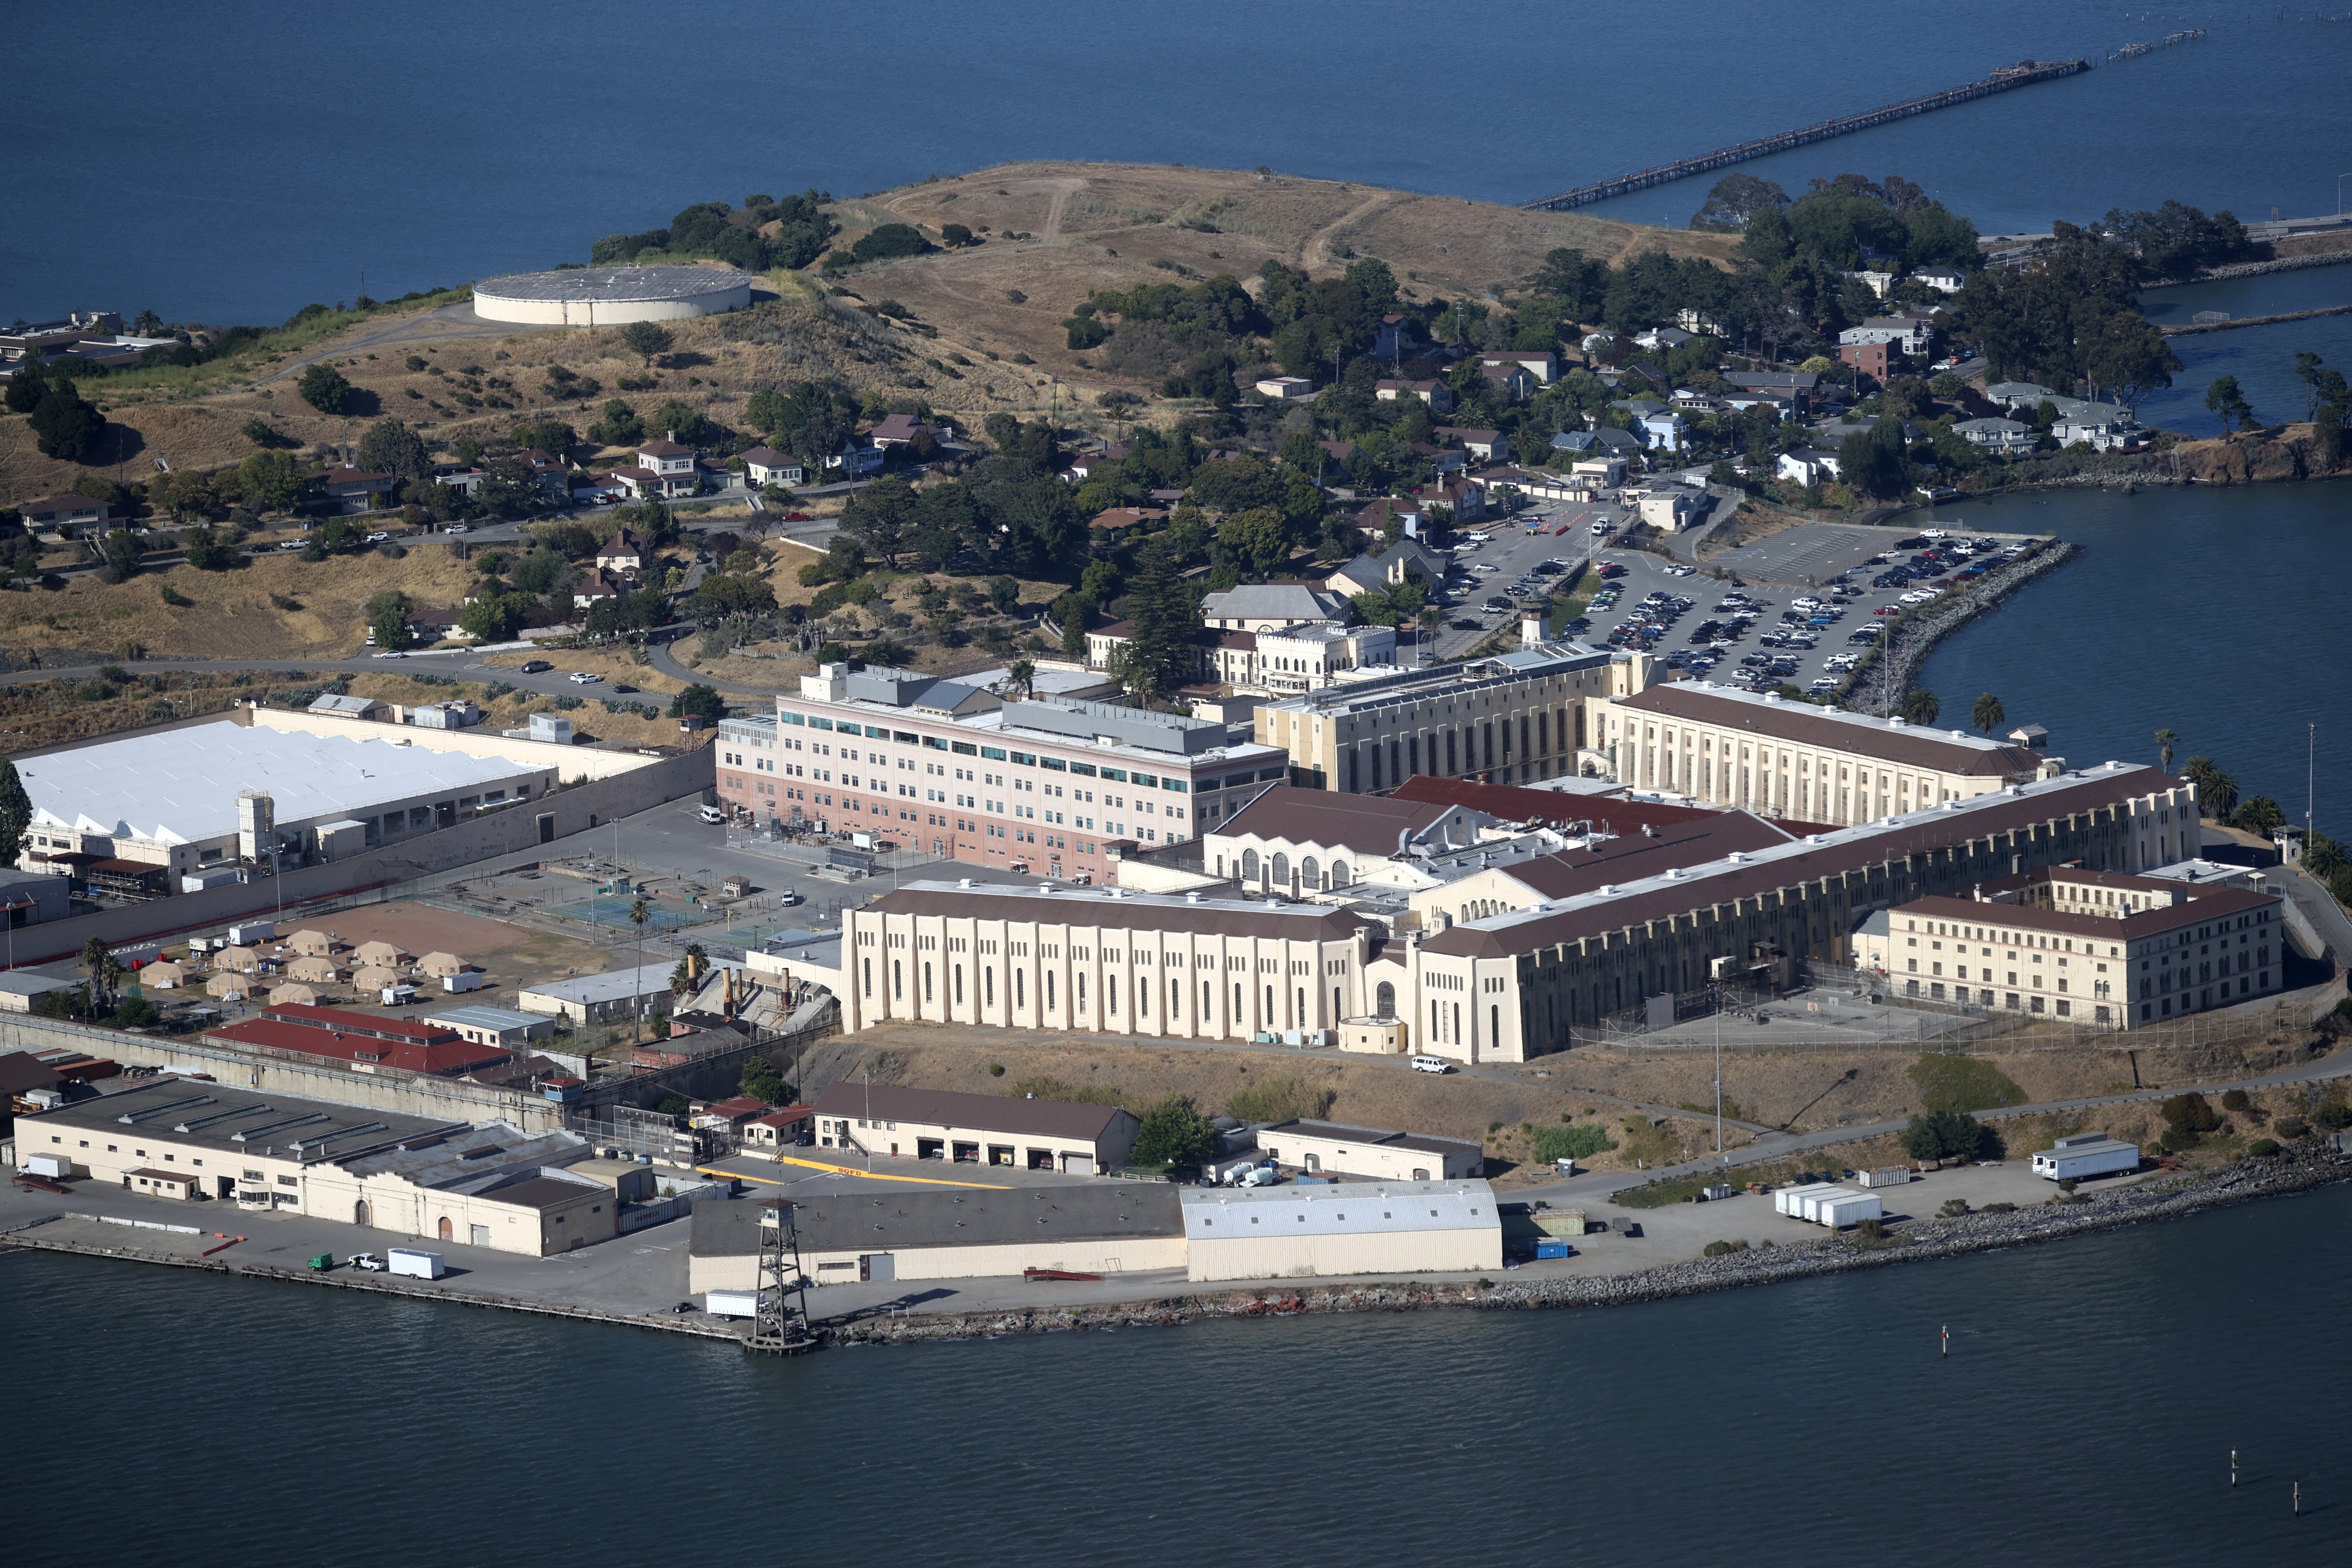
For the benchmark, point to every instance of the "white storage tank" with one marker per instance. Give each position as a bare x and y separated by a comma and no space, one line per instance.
1852,1208
417,1265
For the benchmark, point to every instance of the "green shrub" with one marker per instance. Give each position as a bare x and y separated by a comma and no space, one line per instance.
1719,1248
2188,1118
2235,1100
2295,1127
1963,1083
1998,1209
1579,1141
1954,1208
996,1070
1946,1134
2263,1148
2334,1116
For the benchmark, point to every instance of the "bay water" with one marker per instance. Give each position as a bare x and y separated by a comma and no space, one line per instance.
2086,1413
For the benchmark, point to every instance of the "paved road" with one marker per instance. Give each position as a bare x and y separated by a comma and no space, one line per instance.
441,325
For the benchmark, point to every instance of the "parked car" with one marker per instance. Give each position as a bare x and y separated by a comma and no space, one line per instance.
586,678
378,537
391,653
458,527
1430,1064
368,1261
536,666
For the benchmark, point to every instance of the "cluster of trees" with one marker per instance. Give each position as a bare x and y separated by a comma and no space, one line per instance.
887,243
66,424
326,389
732,235
1009,514
808,420
2073,315
1206,318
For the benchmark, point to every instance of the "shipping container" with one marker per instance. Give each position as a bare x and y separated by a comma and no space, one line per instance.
56,1166
1889,1176
1552,1246
1809,1208
465,980
1851,1209
1560,1222
417,1265
245,933
732,1303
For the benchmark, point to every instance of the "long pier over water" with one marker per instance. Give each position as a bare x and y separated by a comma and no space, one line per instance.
2023,74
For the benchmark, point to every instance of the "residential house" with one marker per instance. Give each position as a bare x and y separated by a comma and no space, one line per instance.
1337,458
1908,332
1662,428
1750,387
2108,427
1943,280
1435,393
553,475
1878,283
1513,378
664,469
598,585
463,477
1374,517
624,551
1369,574
1875,359
1120,518
1398,336
2003,435
1467,500
1287,388
1623,443
2021,394
1806,466
1542,363
350,488
1658,340
855,459
64,512
1604,472
903,431
763,466
1486,446
1575,441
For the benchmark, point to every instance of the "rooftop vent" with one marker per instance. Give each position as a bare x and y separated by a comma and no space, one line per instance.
1816,839
964,882
1960,734
1771,697
1607,889
1192,898
1738,858
1898,723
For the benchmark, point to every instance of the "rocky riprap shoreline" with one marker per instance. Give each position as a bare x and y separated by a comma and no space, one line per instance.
1885,676
1915,1241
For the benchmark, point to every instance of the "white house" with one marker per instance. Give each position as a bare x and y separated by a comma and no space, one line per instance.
1663,429
1287,388
663,468
1943,280
763,466
1996,434
1907,334
1807,466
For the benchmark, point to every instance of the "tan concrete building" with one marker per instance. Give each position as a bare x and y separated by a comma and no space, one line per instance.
846,1239
1106,960
1353,1227
1794,759
1334,1148
2099,948
492,1186
892,1122
1512,718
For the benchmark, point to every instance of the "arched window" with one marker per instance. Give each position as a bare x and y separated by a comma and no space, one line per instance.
1310,874
1384,1001
1281,873
1249,865
1339,874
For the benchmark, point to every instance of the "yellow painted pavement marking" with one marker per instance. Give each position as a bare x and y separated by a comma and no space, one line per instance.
852,1170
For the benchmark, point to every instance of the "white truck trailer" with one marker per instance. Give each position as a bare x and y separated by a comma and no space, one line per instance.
1847,1208
417,1265
1790,1201
2086,1155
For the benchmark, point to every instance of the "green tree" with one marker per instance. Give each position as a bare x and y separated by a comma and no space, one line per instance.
1989,714
261,433
121,552
1919,706
648,340
1735,199
1258,538
271,480
135,1013
66,424
697,701
1174,1132
322,386
493,617
26,386
1003,593
1943,1135
882,518
2165,741
2261,814
2225,398
391,447
891,241
2187,1119
104,970
760,1081
388,616
16,814
209,552
1021,676
2217,792
1159,655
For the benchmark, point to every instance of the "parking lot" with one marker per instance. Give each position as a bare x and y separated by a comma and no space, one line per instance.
1761,638
1563,533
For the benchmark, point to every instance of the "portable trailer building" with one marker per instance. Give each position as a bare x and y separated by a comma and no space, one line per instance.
1810,1209
410,1261
1789,1201
2086,1155
1888,1176
1852,1208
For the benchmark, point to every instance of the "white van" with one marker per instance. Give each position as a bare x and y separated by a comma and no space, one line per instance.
1479,538
712,815
1430,1064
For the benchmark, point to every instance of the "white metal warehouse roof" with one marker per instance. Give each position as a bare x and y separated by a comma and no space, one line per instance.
1346,1208
180,786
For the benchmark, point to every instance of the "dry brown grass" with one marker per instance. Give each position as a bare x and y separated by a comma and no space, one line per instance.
232,614
1098,226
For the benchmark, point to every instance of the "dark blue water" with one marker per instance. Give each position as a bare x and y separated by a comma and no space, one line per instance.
2215,613
2261,358
232,162
2086,1413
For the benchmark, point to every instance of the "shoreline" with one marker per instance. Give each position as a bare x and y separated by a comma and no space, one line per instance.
1890,671
1938,1238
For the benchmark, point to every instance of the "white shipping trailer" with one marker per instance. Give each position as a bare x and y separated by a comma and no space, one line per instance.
732,1303
417,1265
1888,1176
55,1166
1851,1209
1789,1201
2086,1155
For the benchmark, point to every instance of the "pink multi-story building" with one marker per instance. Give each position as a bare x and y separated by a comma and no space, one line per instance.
1044,785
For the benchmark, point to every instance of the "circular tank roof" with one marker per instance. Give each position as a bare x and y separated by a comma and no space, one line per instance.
612,285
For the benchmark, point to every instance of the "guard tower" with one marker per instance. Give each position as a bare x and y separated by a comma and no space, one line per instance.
781,1327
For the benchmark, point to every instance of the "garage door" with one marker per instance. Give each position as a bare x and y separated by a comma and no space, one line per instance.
876,1265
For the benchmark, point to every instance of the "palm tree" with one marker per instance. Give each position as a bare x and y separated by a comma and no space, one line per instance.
1021,676
104,968
2217,792
1920,707
2166,740
1988,713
